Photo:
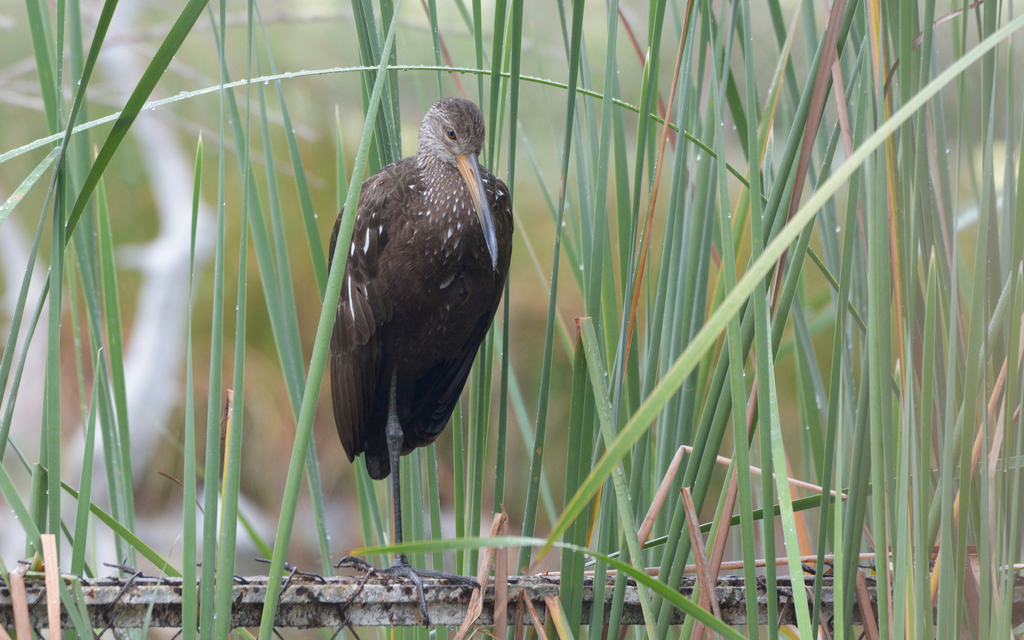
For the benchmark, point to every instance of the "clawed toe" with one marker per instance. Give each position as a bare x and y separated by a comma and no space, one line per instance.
402,569
469,581
355,562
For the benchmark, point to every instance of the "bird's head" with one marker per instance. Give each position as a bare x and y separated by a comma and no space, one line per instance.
453,131
453,127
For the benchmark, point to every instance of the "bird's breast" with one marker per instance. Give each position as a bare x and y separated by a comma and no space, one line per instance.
441,271
443,234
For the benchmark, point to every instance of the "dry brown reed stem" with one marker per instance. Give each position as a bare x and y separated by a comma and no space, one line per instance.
19,598
51,568
499,527
520,630
867,616
708,601
659,498
538,626
793,482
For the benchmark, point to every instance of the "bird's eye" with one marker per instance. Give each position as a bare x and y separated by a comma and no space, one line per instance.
451,133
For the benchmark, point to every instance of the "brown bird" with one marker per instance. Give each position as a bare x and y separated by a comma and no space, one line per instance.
426,269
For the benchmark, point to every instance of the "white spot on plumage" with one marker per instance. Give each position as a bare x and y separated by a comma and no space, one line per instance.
448,281
351,306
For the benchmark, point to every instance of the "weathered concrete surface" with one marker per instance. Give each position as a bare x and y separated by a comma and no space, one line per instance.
310,601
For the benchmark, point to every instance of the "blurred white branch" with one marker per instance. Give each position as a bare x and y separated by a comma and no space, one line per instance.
155,336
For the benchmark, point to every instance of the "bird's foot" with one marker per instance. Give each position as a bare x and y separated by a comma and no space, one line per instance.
401,568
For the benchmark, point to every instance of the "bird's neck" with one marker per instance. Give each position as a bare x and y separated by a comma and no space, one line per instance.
429,163
441,181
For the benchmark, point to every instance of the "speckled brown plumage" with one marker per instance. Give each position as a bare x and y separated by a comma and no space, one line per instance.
421,288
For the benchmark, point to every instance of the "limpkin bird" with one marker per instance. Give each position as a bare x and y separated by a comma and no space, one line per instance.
426,269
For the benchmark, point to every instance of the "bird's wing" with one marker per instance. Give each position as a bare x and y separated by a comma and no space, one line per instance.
438,390
355,350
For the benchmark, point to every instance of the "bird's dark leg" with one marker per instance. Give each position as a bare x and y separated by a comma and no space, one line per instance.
395,439
400,565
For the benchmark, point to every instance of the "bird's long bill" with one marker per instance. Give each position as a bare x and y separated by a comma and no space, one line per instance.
470,170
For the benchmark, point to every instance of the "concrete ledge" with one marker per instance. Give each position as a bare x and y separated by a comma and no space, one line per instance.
311,601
